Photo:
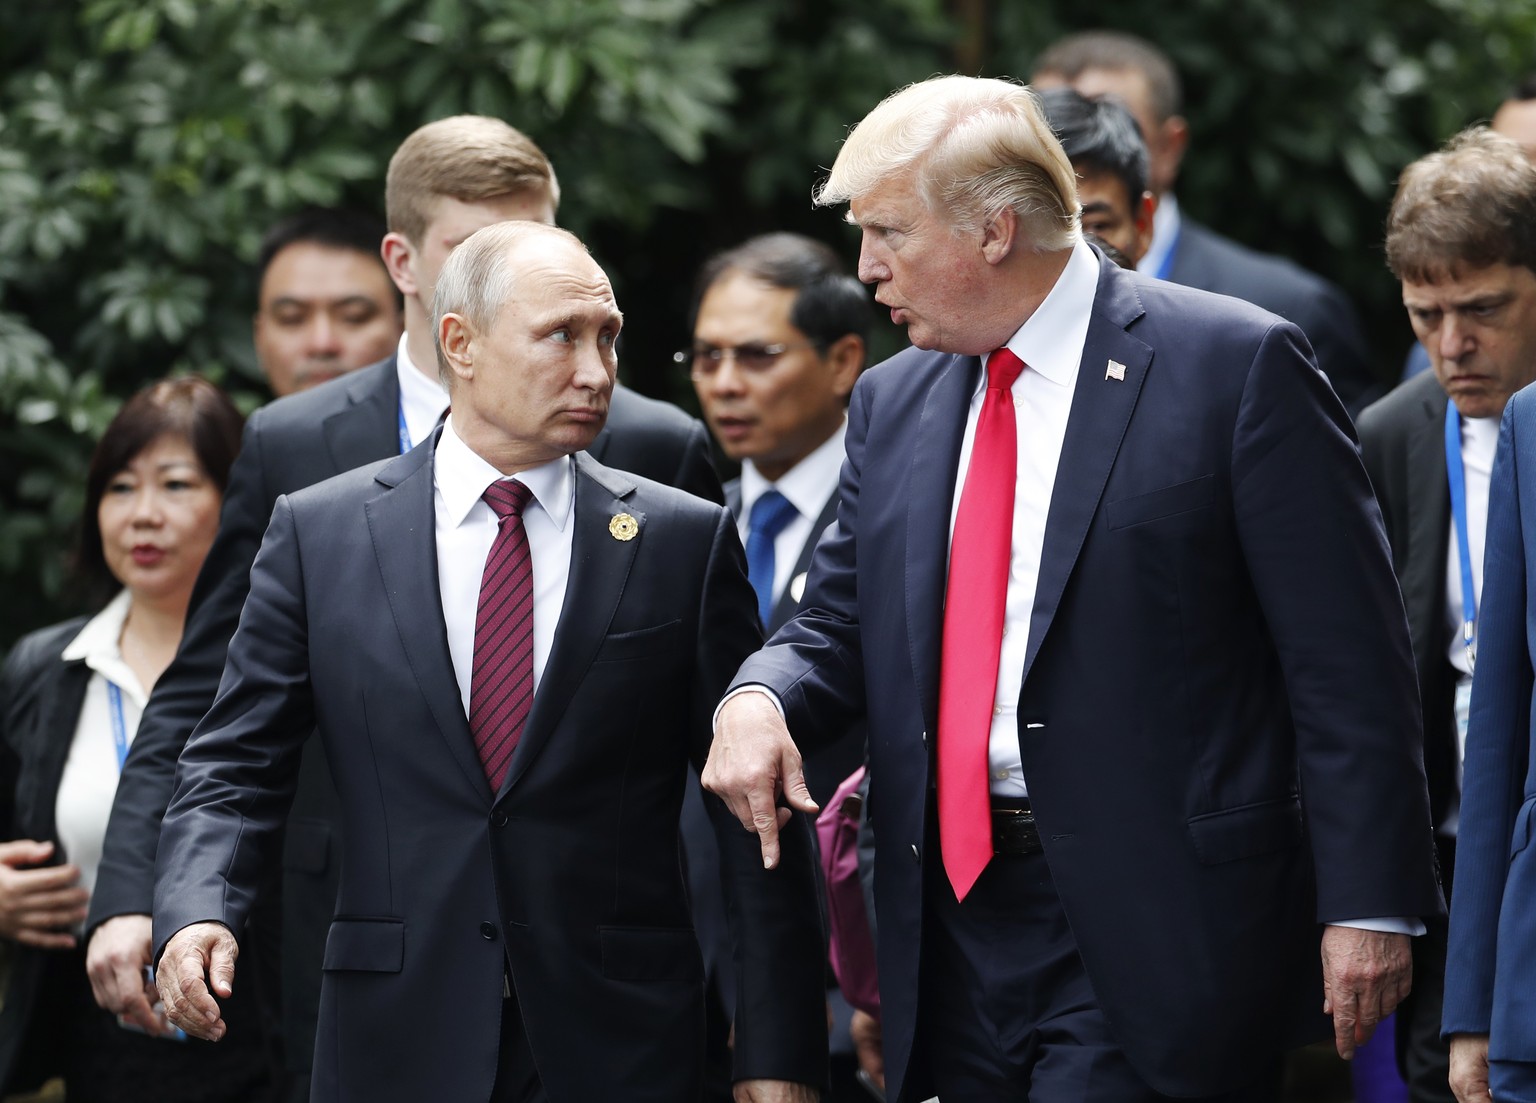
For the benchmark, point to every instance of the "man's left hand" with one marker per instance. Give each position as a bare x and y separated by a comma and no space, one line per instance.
1366,974
774,1091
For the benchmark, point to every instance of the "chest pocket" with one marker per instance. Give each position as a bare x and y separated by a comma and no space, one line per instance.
642,643
1169,501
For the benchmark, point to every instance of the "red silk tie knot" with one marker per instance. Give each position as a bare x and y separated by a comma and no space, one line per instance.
975,601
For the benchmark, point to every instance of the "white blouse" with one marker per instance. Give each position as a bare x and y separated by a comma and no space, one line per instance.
84,800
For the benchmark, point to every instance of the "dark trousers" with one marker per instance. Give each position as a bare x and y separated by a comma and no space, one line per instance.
1422,1057
517,1079
1007,1012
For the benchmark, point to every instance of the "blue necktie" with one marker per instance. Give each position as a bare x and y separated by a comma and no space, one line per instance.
770,514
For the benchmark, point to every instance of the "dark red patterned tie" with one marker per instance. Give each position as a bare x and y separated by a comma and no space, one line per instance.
501,684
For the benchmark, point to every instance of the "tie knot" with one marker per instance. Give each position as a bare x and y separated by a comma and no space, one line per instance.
771,512
1003,369
507,497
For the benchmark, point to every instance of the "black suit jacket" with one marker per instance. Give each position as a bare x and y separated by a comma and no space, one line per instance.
569,875
288,445
1402,440
1218,718
1207,260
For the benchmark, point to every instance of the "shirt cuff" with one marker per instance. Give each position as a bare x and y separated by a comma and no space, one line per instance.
1413,927
751,687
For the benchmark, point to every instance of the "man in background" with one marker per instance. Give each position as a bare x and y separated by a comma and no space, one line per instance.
1183,250
1109,158
326,304
1456,241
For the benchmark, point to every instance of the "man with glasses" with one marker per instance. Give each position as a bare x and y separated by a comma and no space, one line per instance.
779,331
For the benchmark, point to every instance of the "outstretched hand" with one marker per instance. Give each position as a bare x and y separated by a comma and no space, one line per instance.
751,762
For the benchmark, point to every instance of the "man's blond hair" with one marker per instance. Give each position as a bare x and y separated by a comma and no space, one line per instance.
975,147
470,158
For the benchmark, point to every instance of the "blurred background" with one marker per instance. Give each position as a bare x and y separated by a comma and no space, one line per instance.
146,144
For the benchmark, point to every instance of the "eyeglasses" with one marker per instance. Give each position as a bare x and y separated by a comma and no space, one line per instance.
704,360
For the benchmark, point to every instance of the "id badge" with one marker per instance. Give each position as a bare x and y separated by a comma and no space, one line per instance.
1463,715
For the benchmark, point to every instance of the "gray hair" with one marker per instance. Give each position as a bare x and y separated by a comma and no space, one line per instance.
975,147
479,278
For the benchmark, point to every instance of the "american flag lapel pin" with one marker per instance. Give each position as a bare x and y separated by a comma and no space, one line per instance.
1115,370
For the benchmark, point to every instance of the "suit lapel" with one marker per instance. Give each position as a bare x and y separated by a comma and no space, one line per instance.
61,698
600,565
401,524
1429,522
1101,411
369,428
930,493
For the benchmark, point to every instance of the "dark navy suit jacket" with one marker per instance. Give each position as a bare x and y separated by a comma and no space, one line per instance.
569,874
1219,722
1488,979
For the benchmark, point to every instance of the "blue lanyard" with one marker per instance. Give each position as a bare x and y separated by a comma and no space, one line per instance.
405,434
119,725
1167,265
1457,476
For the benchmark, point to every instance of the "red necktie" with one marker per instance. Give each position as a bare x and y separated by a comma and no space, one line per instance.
974,601
501,682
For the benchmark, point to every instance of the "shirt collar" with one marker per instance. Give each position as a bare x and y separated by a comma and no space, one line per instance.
1051,339
99,645
807,485
461,476
416,390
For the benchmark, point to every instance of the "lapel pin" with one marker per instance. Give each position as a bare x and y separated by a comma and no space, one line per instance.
623,527
1115,370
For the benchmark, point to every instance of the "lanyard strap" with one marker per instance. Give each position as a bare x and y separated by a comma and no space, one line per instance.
119,725
1457,476
405,434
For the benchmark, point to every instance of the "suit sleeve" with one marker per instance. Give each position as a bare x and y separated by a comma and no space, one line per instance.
125,883
236,776
815,662
1311,536
1498,748
775,921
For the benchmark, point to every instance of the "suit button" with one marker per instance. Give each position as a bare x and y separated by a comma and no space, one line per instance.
498,819
488,931
917,855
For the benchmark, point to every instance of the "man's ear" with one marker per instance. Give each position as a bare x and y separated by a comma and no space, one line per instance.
1000,235
456,338
845,359
1142,216
398,253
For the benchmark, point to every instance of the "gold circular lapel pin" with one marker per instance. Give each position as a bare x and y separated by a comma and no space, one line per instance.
623,527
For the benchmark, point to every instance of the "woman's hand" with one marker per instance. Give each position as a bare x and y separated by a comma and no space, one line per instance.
38,906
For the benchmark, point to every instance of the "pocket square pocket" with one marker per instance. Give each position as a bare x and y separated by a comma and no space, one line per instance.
1169,501
639,644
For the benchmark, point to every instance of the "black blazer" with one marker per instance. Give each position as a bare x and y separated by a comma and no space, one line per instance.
1207,260
569,874
40,700
1402,440
1218,713
290,444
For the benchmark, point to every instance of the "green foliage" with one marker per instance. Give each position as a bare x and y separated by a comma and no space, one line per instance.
146,144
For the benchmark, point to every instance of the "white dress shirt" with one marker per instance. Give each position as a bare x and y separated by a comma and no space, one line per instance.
422,399
807,485
89,782
466,528
1050,343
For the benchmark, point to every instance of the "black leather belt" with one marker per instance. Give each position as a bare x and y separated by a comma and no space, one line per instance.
1014,831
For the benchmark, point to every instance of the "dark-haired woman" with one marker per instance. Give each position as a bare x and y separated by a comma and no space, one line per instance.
70,700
